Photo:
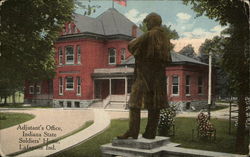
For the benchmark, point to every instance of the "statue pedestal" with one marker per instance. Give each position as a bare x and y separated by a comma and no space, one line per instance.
140,147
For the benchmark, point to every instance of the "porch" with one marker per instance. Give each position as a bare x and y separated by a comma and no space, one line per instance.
112,87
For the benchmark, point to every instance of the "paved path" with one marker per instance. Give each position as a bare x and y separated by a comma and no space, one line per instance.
100,123
67,120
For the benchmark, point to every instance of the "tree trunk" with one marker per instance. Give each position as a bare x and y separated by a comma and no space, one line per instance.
240,138
5,100
13,98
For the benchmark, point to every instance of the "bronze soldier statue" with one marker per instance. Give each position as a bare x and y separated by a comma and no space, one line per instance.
152,54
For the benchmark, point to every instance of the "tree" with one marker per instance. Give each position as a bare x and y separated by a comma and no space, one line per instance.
236,56
28,31
216,47
172,34
188,51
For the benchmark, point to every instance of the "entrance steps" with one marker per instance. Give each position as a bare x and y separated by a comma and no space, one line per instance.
116,102
97,104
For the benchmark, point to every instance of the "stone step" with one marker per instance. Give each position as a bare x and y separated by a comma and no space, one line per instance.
141,143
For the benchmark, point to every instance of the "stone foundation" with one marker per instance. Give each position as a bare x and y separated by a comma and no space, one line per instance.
190,105
65,103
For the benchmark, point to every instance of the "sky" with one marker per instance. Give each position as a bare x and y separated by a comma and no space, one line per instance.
191,29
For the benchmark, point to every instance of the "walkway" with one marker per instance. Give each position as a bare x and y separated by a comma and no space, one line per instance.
100,123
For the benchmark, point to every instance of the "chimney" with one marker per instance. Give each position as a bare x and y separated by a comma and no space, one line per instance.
134,31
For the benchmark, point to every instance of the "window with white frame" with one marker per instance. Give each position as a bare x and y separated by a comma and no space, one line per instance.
200,85
60,86
38,89
60,56
78,48
78,86
31,89
187,85
112,55
69,59
175,85
123,54
69,83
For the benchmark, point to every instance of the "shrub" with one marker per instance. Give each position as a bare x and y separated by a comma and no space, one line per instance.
166,120
205,127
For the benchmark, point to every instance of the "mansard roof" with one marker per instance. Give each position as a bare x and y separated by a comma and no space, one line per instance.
176,59
110,22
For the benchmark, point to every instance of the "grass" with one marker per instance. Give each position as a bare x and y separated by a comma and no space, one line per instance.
91,148
11,119
184,126
223,143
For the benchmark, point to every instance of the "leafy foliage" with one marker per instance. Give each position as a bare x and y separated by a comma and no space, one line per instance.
236,55
166,119
171,34
188,51
28,31
205,127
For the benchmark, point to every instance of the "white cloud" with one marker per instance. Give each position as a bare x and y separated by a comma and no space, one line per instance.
183,16
135,16
195,37
199,33
217,28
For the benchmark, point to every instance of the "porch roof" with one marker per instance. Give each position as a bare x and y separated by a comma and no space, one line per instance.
113,72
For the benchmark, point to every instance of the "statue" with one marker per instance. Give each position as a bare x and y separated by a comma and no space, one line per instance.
152,54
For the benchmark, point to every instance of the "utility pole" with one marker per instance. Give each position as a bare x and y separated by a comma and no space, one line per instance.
209,84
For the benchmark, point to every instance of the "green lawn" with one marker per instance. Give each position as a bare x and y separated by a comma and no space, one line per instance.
184,126
11,119
223,143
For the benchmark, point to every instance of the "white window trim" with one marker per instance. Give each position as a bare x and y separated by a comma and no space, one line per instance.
123,54
172,93
39,87
189,94
71,62
60,86
60,56
79,55
30,92
69,89
114,56
79,86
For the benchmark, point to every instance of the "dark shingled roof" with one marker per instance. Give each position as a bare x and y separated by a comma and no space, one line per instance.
110,22
176,59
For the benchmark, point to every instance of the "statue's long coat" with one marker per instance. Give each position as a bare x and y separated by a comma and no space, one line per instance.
152,54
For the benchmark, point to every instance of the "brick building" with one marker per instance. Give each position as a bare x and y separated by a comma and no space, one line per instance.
94,67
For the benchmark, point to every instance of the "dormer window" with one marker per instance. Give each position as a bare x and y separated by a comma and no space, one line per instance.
69,55
112,55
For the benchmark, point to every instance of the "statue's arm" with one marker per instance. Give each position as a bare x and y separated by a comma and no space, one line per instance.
135,46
